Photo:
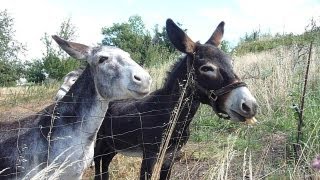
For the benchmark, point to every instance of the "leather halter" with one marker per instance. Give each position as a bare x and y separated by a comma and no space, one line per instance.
63,89
214,94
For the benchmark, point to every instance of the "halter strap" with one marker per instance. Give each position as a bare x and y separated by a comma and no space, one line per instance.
63,89
213,95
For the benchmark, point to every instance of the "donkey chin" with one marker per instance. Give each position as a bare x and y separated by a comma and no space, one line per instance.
138,94
139,90
240,105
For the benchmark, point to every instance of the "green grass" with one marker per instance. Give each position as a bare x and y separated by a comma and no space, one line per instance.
269,42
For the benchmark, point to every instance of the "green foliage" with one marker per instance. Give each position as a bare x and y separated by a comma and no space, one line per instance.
132,37
161,38
57,68
9,73
253,36
206,124
225,46
52,66
257,42
68,32
35,71
9,47
56,62
10,66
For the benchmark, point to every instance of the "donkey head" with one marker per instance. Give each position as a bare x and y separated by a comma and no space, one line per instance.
72,77
68,81
215,81
115,74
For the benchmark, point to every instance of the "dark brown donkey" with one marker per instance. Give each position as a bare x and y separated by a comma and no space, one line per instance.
136,127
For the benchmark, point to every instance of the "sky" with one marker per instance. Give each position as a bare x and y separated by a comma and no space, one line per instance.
33,18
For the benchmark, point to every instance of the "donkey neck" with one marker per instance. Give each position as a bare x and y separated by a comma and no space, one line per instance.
82,105
173,87
177,77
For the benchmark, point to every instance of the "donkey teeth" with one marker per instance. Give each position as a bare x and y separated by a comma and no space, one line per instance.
251,121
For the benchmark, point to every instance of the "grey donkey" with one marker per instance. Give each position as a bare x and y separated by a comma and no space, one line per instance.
68,81
58,142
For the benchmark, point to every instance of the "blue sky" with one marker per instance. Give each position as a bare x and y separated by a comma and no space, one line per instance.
35,17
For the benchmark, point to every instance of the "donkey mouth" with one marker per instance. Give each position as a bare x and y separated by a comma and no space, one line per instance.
236,116
139,93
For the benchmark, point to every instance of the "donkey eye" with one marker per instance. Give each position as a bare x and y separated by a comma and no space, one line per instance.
103,59
206,68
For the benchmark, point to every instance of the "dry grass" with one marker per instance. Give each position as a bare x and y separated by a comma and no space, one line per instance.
22,101
272,76
159,73
275,78
233,151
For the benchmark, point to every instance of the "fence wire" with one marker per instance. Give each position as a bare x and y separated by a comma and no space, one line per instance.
205,122
195,127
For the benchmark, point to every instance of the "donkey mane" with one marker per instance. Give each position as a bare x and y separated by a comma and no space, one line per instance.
72,93
172,72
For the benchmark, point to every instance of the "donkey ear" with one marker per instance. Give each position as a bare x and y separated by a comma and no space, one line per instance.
76,50
179,39
217,35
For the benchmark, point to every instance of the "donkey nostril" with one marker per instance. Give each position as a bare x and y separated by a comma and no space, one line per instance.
245,107
137,78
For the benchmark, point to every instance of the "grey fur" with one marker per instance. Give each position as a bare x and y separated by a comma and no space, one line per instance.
68,81
65,131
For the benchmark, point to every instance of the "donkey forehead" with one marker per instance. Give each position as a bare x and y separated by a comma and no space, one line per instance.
211,54
110,52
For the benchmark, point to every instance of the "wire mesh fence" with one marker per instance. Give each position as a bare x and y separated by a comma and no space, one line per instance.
206,130
217,149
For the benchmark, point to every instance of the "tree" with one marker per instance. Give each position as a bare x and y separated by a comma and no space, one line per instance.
133,37
67,31
130,36
253,36
225,46
35,71
10,66
161,38
56,62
